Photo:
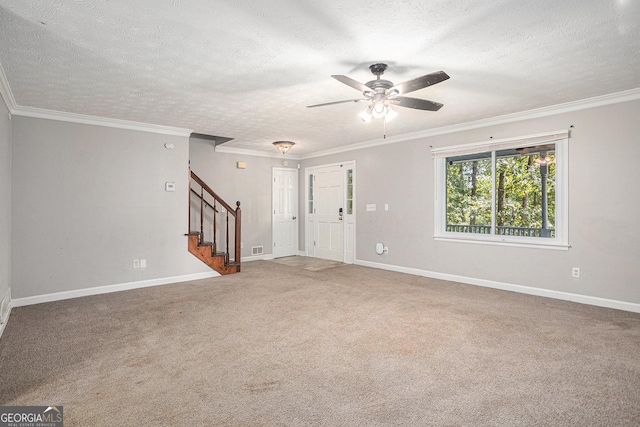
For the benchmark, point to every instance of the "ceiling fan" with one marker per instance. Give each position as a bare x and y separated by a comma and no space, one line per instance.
381,94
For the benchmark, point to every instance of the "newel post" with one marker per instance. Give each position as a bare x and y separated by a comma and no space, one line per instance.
189,202
238,239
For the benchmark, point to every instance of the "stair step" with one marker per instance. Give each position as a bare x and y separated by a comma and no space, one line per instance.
205,244
193,233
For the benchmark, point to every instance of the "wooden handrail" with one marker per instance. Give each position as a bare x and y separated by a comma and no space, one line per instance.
213,193
236,213
207,204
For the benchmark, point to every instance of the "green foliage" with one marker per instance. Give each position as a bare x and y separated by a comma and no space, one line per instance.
464,205
518,187
523,193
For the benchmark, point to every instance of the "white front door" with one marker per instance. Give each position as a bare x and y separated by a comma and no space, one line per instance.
285,212
328,218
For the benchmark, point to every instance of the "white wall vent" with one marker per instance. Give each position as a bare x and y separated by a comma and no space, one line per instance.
257,250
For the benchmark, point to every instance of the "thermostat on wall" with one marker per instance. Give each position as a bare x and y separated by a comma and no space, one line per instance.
169,186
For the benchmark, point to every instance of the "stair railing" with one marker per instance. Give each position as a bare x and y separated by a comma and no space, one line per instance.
217,200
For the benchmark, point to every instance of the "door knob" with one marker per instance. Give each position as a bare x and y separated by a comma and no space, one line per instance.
295,217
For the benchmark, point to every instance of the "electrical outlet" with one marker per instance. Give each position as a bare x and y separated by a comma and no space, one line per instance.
575,272
136,263
143,263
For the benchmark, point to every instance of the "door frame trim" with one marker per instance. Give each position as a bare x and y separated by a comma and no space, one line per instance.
308,230
297,207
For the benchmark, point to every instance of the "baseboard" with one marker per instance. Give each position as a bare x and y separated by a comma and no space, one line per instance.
565,296
58,296
5,310
265,257
257,258
302,253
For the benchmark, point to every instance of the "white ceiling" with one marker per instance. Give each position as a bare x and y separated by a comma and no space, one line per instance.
248,69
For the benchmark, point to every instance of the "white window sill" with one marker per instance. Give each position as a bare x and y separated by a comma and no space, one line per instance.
501,241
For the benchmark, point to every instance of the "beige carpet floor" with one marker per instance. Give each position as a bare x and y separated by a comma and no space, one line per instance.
278,345
308,263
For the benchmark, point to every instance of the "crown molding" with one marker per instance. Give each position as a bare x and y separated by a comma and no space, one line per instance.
41,113
598,101
614,98
255,153
5,91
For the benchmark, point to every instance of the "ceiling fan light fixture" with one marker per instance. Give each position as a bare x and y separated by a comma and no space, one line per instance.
366,115
380,93
284,146
379,110
390,115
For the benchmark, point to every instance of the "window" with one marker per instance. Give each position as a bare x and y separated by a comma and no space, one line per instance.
506,192
310,193
350,192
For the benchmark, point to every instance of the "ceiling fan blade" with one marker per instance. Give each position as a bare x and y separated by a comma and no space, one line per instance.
418,104
420,82
353,83
336,102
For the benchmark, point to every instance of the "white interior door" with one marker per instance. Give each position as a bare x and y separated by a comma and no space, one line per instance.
328,218
285,212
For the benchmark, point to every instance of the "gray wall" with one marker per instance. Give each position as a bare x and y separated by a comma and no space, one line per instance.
250,186
87,200
5,200
604,203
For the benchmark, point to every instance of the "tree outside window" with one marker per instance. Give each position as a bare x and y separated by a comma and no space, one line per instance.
508,192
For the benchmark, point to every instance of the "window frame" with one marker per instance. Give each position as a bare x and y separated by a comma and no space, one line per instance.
560,241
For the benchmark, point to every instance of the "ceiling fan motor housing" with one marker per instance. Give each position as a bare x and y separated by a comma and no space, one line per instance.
378,69
379,88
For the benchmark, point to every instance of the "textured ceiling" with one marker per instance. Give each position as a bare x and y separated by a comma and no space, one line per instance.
247,69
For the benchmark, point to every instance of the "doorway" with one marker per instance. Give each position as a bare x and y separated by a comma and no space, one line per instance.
285,212
330,210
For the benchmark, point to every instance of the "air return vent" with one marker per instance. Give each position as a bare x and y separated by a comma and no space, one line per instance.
257,250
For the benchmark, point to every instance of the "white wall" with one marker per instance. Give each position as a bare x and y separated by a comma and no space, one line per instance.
604,203
5,200
250,186
88,199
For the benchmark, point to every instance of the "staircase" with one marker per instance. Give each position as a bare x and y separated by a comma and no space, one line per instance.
211,236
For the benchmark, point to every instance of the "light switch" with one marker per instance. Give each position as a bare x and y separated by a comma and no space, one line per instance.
169,186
